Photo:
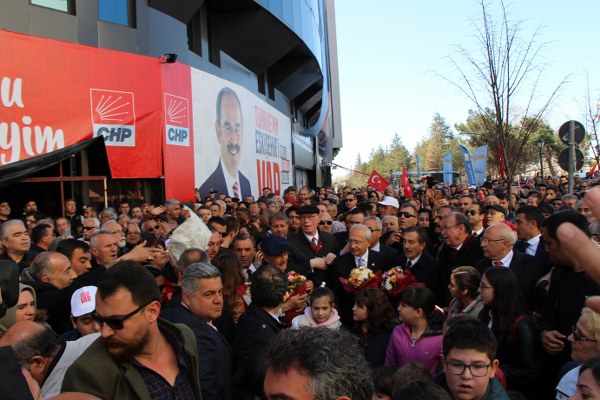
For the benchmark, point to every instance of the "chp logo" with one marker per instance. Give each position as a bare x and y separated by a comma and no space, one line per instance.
177,120
113,116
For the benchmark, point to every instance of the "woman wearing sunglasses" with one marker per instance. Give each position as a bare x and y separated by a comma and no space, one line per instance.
585,345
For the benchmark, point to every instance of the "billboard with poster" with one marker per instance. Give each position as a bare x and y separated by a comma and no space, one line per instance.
241,143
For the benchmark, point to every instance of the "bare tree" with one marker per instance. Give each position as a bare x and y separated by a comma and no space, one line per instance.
502,69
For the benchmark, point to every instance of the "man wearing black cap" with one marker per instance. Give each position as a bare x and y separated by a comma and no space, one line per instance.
312,252
494,213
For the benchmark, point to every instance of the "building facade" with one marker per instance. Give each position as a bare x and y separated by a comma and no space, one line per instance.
84,69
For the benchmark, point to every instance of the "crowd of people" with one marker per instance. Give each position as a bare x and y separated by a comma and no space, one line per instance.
229,298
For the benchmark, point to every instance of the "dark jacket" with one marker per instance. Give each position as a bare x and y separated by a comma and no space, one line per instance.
301,253
374,346
495,390
519,353
341,268
95,372
540,252
216,181
214,354
527,269
469,254
255,330
427,271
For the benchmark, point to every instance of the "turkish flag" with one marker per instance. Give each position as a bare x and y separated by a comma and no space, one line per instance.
378,181
406,184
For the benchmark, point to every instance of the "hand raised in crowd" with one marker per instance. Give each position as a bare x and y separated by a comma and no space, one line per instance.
553,341
157,210
259,257
583,250
295,303
394,238
143,254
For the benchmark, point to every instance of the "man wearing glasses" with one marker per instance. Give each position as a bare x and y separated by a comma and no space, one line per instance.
312,251
90,225
138,356
475,218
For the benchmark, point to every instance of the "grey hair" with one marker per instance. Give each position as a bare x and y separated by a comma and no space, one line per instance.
333,206
47,221
4,227
94,238
95,220
569,197
107,223
376,219
505,232
580,202
389,217
278,216
196,271
365,229
41,264
171,203
110,212
335,365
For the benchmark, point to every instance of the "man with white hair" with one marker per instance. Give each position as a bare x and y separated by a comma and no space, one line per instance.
497,244
90,225
16,242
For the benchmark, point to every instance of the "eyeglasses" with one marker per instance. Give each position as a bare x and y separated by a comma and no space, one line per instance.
116,323
484,286
87,228
471,212
153,228
293,217
406,215
445,228
326,223
458,368
485,240
374,230
577,336
345,200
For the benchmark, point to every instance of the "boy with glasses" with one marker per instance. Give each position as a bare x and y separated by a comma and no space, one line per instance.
470,363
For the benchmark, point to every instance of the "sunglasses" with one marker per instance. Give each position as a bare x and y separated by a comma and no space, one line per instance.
116,323
152,228
326,223
87,228
345,200
471,212
406,215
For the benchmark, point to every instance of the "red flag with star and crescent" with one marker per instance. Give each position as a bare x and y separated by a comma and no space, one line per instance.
406,184
378,181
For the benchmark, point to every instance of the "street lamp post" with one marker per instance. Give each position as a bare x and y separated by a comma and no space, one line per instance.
540,145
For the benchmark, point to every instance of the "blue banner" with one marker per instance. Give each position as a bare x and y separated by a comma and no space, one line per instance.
468,166
419,174
479,160
447,167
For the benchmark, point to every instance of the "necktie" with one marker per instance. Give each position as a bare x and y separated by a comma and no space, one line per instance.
408,264
474,234
236,189
497,263
314,243
361,262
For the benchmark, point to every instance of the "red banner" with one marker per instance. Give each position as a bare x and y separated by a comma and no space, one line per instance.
178,138
378,181
406,184
55,94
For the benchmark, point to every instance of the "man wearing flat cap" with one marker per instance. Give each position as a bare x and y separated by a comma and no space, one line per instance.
312,252
494,213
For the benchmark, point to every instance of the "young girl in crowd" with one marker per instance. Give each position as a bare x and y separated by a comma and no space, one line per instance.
464,289
419,337
320,313
373,315
505,314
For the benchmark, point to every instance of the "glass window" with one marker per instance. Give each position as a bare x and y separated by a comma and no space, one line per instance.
60,5
116,11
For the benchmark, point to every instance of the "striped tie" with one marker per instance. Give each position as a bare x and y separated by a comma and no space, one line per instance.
361,262
236,190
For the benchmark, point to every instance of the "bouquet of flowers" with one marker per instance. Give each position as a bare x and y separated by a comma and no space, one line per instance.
359,278
395,280
296,283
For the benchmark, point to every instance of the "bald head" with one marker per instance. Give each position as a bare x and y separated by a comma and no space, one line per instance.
497,241
21,331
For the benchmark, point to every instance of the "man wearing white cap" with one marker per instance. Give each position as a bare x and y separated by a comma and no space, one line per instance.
388,206
83,304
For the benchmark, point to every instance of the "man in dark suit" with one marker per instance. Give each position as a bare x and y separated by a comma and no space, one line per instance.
420,263
459,247
351,218
390,254
529,222
312,252
230,134
202,302
497,245
256,329
359,256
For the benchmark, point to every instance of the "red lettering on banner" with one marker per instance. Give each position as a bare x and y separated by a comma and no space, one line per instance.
269,175
266,122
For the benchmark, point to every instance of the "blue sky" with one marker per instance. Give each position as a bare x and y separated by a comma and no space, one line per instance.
387,50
